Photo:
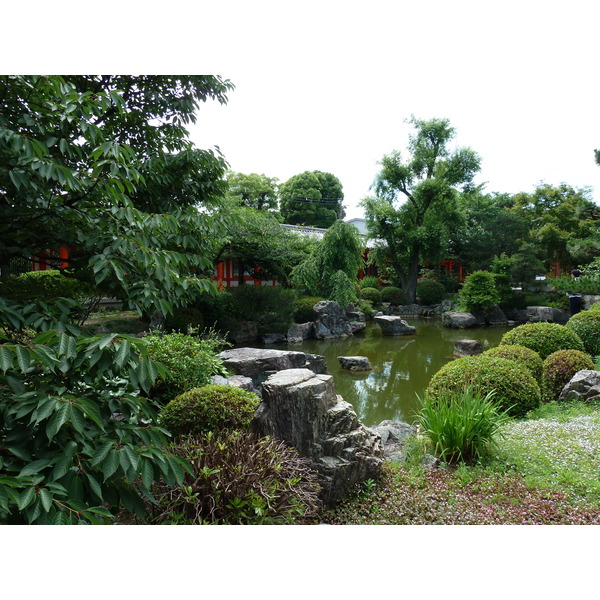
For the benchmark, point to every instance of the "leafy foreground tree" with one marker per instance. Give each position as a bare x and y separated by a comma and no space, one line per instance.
84,161
418,229
253,190
332,268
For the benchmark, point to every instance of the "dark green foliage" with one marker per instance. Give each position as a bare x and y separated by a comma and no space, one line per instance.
586,324
191,362
238,479
515,389
129,326
209,408
461,425
392,294
544,338
43,285
371,282
303,308
371,294
479,291
522,355
559,368
366,306
185,320
430,292
75,431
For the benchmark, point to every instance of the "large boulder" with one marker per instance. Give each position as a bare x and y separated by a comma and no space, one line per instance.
331,321
394,326
467,348
492,317
584,386
299,332
302,408
394,436
258,363
355,363
458,320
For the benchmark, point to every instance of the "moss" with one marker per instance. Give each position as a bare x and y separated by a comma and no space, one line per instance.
515,389
544,338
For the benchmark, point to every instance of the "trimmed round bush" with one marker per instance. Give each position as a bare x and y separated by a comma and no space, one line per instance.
430,292
516,391
393,295
479,292
372,294
237,479
586,325
303,309
209,408
595,306
544,338
524,356
559,368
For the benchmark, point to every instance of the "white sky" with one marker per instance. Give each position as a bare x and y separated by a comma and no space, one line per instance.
329,86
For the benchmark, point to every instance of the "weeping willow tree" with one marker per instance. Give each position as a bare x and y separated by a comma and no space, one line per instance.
332,268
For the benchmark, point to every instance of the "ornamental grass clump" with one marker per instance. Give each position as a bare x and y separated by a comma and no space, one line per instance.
522,355
559,368
515,389
209,408
461,425
237,479
586,325
544,338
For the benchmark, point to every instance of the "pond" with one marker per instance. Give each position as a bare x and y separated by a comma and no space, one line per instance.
402,366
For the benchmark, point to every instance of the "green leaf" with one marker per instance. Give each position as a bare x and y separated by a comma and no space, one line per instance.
46,499
60,417
6,359
110,464
23,358
96,487
35,467
101,453
26,498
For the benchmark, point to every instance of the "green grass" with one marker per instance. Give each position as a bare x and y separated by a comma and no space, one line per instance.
545,470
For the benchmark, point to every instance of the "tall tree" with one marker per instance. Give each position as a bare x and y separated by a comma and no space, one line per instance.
253,190
312,198
415,201
88,162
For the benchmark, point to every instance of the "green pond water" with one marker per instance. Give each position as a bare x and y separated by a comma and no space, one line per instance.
402,366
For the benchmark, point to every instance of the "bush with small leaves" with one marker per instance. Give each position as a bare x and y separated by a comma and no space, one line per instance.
430,292
209,408
544,338
191,362
515,389
586,325
368,282
393,295
559,368
366,306
525,356
595,306
238,479
303,309
372,294
185,320
479,292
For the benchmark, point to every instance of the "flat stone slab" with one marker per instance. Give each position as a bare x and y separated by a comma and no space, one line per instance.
355,363
394,326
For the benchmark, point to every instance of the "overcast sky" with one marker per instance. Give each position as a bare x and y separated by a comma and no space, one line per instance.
330,87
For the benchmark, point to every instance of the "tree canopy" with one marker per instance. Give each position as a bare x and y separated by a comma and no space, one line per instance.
253,190
102,164
415,205
312,198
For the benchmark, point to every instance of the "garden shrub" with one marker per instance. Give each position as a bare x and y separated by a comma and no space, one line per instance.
461,425
366,306
586,325
368,282
191,362
559,368
595,306
185,320
129,326
303,308
238,479
430,292
372,294
544,338
479,292
525,356
43,285
209,408
516,391
394,295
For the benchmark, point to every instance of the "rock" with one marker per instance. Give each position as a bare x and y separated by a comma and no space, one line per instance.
101,329
355,363
258,363
246,332
299,332
239,381
394,326
393,437
458,320
157,320
357,326
467,348
491,317
273,338
541,314
354,315
331,321
406,310
302,408
584,386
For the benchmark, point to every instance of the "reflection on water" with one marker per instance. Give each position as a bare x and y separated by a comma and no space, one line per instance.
402,366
